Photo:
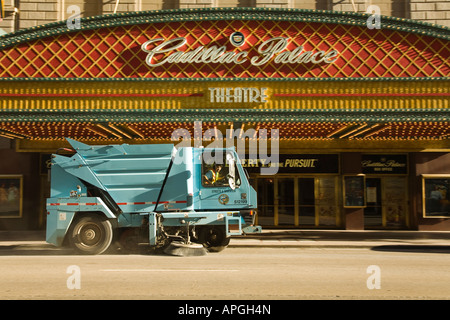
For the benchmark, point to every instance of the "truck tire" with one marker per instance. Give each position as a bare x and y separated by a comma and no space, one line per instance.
214,238
90,234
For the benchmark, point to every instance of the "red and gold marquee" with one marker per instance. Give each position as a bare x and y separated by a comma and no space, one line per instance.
313,74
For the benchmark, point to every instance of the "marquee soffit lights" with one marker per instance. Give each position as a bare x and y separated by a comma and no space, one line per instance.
287,131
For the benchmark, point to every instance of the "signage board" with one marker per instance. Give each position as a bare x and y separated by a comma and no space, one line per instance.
384,163
296,163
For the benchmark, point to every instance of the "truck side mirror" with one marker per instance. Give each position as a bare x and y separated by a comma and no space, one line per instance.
231,182
231,171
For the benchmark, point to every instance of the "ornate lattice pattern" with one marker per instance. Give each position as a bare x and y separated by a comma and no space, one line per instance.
115,52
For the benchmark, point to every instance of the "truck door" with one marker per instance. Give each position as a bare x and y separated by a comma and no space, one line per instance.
222,186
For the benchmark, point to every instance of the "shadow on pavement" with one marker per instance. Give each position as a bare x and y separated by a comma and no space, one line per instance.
32,250
413,248
33,243
50,250
333,235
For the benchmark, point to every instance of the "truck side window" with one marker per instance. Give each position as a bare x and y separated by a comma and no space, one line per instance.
217,174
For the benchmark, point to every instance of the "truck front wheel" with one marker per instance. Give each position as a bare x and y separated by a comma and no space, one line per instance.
90,234
213,238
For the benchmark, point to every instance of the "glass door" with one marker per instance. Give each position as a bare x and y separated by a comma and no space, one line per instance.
386,202
395,202
326,201
373,215
298,201
266,212
285,200
306,201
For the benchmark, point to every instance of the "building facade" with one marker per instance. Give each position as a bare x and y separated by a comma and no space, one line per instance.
340,124
22,14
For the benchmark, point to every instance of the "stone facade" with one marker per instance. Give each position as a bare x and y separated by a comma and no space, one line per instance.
396,8
29,13
432,11
274,3
185,4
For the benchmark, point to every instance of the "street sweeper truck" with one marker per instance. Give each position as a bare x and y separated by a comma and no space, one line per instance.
184,201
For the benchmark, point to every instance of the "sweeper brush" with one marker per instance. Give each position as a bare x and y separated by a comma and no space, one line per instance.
181,249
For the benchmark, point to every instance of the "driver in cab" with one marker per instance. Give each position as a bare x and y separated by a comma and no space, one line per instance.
212,176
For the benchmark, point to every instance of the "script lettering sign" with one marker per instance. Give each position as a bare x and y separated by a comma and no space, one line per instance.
160,51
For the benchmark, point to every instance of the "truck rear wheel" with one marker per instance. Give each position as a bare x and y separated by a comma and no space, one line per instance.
90,234
214,239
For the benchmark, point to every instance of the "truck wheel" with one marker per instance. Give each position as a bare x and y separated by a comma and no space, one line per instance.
90,234
214,239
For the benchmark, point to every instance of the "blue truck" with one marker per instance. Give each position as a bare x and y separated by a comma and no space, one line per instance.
148,194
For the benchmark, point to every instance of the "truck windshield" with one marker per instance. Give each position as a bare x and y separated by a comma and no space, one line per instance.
221,173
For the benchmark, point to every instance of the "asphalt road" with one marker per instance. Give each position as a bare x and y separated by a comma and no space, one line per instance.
236,273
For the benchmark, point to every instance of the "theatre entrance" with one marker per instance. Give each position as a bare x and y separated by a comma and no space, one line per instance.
301,201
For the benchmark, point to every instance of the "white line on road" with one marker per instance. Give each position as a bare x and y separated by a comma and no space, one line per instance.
167,270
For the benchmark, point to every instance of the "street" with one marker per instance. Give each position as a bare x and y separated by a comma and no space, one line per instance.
234,274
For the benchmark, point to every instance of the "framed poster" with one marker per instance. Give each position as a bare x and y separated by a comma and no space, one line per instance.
354,191
436,196
11,196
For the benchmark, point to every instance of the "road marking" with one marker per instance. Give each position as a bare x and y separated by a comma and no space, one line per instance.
168,270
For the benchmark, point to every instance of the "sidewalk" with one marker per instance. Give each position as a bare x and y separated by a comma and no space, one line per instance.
292,238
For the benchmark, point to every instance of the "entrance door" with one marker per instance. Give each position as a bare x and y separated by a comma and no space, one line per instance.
306,202
373,215
285,201
386,202
302,201
326,201
266,212
395,202
317,201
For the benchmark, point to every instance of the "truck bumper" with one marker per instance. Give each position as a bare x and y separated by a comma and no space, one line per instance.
249,217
